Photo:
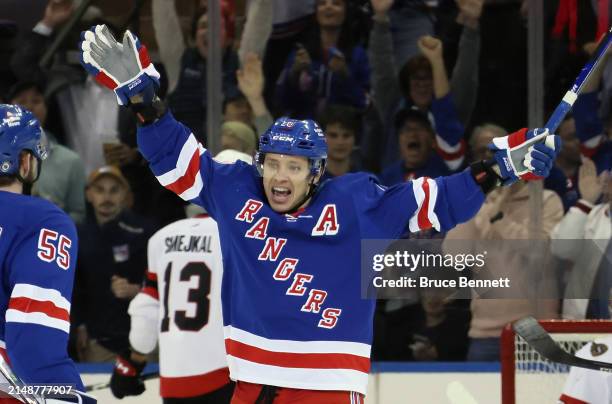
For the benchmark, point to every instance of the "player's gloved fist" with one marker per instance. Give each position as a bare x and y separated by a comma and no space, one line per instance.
525,154
124,67
125,380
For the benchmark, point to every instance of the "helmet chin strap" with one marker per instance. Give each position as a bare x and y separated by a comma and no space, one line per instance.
30,183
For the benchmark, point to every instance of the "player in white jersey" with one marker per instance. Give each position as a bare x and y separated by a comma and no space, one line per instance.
180,305
586,386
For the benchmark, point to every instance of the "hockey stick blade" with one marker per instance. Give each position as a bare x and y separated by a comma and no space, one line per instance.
532,332
106,385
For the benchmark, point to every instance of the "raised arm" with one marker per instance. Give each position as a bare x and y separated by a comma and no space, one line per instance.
179,162
444,202
464,78
431,48
449,130
170,41
257,29
26,58
177,159
385,87
251,82
182,165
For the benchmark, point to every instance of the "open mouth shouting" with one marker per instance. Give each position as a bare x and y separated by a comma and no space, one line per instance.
281,195
413,145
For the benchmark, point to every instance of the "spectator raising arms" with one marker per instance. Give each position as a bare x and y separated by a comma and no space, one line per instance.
251,82
425,149
187,80
329,69
422,83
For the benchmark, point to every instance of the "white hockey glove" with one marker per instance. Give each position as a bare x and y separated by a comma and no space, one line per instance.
124,68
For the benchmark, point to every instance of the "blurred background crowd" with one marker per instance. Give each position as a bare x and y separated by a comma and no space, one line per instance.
402,89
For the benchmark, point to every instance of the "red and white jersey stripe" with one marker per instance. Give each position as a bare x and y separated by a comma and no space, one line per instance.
317,365
35,305
453,155
426,193
150,285
185,179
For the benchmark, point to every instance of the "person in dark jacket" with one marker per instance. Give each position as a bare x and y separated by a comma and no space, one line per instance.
110,269
328,69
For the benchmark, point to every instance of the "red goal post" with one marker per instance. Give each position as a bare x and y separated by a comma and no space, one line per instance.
523,369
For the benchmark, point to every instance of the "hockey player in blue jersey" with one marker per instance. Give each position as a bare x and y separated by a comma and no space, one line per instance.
295,326
38,247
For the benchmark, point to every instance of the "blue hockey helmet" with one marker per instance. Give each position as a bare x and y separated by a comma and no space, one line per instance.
19,131
293,137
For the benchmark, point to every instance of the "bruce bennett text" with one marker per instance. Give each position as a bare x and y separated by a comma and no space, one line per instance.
425,282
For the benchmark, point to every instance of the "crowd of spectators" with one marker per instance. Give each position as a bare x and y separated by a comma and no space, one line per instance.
402,88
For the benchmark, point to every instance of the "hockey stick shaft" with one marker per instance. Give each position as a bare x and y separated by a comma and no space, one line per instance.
536,337
519,152
570,97
15,381
105,385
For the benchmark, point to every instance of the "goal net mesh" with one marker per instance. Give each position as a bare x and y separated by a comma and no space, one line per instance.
536,379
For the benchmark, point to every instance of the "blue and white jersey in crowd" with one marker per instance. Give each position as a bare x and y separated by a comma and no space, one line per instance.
38,247
292,308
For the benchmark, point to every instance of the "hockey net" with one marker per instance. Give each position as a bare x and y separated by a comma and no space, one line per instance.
526,376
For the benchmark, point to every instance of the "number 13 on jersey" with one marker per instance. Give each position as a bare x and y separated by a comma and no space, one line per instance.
198,296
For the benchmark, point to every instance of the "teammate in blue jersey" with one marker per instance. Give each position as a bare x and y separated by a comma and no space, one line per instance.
295,326
38,247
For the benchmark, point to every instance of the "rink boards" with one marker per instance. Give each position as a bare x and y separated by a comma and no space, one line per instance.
390,383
